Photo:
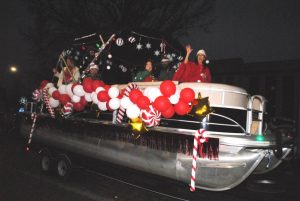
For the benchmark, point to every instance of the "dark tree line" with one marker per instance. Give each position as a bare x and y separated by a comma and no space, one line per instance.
56,23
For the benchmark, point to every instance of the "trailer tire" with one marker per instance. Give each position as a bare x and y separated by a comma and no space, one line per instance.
63,167
46,162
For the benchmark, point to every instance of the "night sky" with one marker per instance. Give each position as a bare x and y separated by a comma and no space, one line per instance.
256,30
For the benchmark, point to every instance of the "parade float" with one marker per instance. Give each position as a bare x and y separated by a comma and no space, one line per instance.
208,135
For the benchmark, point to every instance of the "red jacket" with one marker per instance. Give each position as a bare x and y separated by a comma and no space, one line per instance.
191,72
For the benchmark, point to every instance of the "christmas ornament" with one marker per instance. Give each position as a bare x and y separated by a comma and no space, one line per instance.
139,46
131,39
156,53
148,45
151,117
119,42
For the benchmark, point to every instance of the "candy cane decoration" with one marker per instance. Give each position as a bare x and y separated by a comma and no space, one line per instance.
197,138
121,111
33,117
46,100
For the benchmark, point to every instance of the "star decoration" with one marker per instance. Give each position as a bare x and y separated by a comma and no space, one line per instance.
201,107
148,45
137,127
139,46
156,53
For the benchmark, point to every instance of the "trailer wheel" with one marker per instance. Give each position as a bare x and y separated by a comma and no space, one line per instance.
63,166
46,162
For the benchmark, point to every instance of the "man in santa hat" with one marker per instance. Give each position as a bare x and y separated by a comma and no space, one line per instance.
94,71
193,71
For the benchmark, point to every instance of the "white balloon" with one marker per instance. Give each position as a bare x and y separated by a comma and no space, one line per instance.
114,103
146,91
126,102
113,92
75,99
102,106
53,103
78,90
177,93
88,97
94,98
51,90
69,90
49,85
174,99
133,111
99,89
153,93
62,89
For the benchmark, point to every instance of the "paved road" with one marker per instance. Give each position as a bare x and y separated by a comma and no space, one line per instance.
20,179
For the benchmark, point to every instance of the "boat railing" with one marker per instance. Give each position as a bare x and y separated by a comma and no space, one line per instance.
256,104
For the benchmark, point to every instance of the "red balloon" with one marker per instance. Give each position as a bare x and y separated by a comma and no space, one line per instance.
83,101
169,112
64,98
161,103
56,95
97,83
143,102
121,94
187,95
134,95
43,84
87,85
103,96
167,88
78,107
106,87
182,108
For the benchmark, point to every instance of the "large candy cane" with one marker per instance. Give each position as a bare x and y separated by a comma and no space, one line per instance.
121,111
197,138
46,100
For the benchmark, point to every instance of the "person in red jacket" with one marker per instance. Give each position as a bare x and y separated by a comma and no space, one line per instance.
193,71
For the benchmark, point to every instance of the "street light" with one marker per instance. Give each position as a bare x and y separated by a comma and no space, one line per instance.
13,69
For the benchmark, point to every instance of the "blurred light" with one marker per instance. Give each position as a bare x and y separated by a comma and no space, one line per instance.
260,138
108,67
13,69
109,56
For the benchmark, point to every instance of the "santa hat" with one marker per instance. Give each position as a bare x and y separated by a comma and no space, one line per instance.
94,66
201,52
165,60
